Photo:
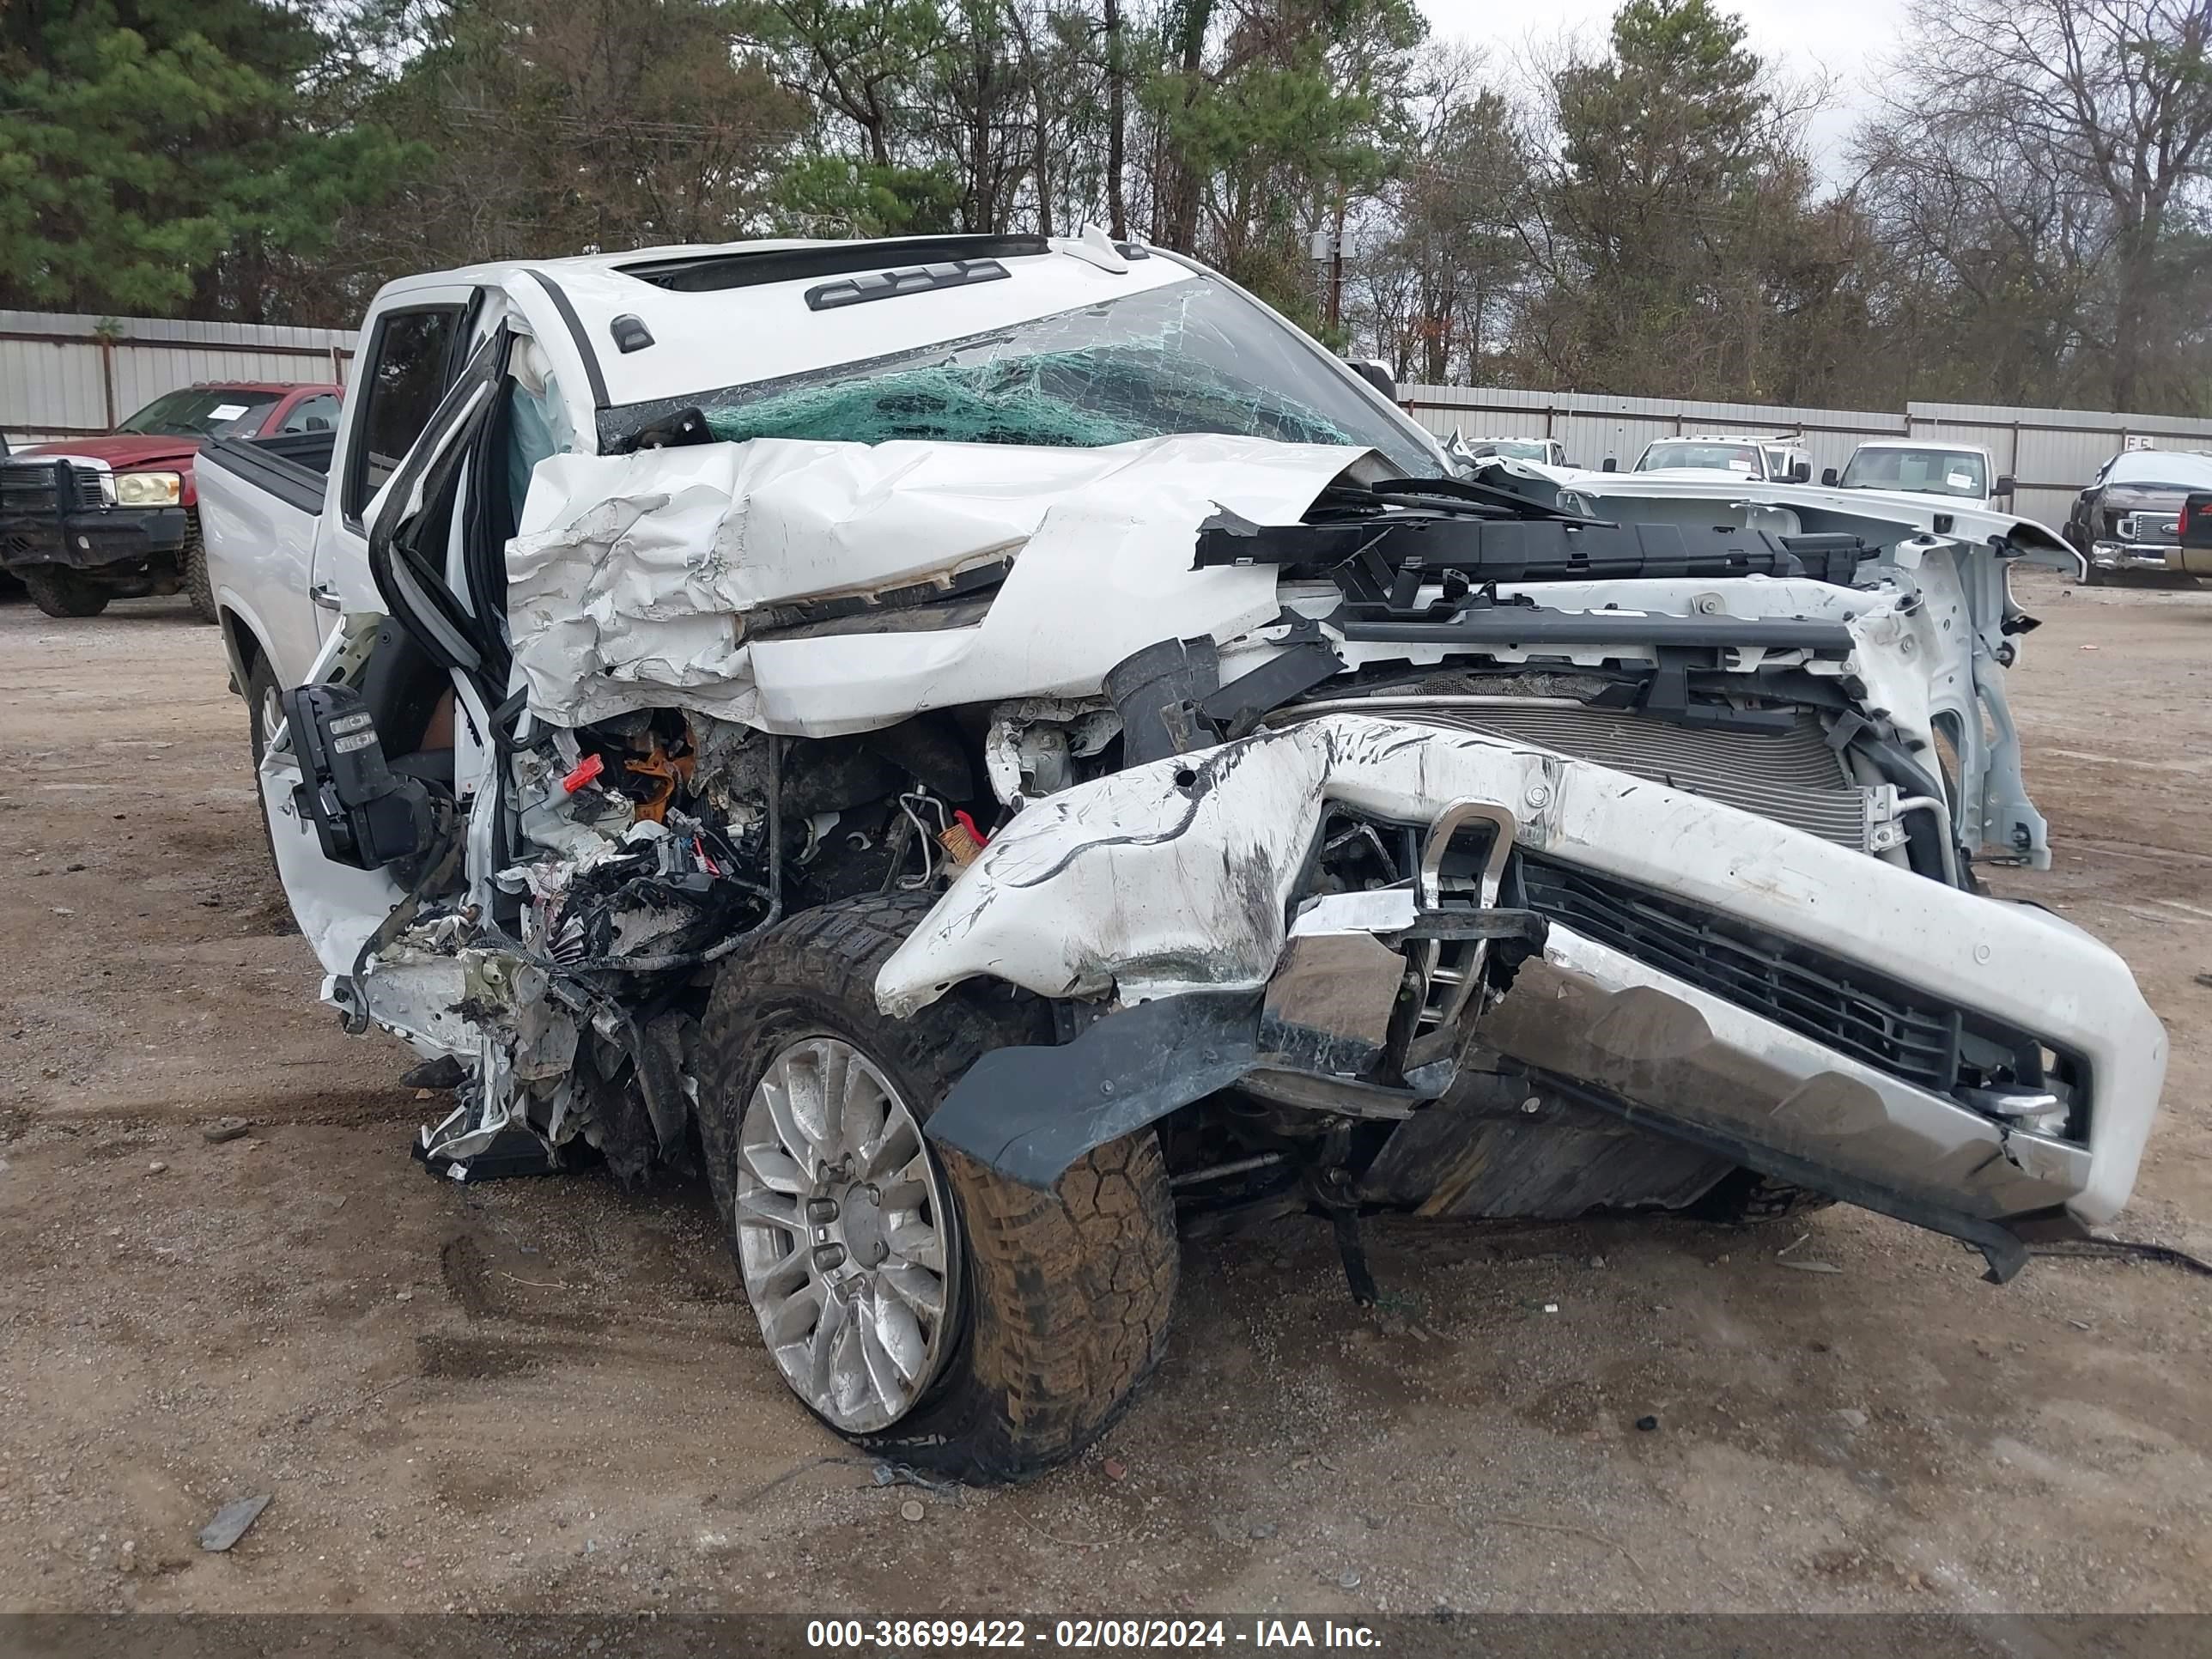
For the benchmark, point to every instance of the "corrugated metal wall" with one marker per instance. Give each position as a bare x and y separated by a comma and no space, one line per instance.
66,376
2052,452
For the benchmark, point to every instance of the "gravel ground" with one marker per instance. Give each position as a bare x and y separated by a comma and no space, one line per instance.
548,1396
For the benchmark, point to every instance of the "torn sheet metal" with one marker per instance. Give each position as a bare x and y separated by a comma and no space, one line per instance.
1176,877
1957,627
639,582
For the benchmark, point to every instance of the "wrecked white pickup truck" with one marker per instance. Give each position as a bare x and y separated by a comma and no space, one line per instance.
1008,753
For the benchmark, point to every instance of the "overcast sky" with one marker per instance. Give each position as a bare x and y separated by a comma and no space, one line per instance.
1845,38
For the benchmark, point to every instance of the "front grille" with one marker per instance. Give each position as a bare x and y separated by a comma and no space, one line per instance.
2148,527
1889,1026
46,488
27,488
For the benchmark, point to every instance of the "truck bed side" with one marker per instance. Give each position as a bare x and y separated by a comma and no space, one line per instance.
260,502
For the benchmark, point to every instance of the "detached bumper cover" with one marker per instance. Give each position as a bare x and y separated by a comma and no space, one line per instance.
1176,878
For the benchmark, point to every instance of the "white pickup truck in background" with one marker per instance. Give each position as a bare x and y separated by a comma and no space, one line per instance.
1914,466
1733,457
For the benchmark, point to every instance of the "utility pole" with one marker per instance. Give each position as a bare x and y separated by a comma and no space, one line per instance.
1328,245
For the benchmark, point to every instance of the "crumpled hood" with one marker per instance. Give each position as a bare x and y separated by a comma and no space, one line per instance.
647,579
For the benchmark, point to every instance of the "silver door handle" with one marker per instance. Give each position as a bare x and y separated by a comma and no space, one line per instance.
326,596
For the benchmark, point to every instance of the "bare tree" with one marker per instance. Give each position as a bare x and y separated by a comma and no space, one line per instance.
2106,109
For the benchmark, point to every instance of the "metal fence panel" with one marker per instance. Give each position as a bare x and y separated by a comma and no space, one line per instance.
66,375
48,386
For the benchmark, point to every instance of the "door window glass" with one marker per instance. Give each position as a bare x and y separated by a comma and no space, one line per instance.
401,387
318,414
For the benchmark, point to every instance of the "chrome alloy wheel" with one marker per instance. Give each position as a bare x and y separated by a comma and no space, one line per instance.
846,1235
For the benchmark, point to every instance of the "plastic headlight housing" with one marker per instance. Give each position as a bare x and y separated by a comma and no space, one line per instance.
149,489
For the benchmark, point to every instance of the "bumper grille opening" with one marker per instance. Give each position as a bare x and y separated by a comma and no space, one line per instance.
1888,1025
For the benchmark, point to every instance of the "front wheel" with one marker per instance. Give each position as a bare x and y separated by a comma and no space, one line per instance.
64,593
921,1305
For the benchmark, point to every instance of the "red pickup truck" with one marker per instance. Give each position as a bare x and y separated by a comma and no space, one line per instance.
90,519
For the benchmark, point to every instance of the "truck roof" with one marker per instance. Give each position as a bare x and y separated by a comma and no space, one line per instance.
280,387
1730,438
1924,443
649,327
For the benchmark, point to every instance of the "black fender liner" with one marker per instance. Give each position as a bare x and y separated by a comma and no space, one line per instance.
1029,1112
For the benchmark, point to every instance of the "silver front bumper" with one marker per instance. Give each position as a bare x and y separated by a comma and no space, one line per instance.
1589,1013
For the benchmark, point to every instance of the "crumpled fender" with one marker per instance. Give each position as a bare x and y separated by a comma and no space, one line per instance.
1163,878
1177,876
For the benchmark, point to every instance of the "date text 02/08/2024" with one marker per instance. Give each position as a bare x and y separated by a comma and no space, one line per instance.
1086,1633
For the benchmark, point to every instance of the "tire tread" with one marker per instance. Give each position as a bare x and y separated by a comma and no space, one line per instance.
1069,1291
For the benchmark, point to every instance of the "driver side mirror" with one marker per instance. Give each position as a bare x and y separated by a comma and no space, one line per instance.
2003,487
1377,376
1801,472
1611,463
2195,529
1828,477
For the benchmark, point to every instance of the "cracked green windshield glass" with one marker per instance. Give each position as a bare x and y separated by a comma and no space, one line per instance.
1192,356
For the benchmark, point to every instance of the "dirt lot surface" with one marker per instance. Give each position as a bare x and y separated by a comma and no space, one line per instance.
549,1395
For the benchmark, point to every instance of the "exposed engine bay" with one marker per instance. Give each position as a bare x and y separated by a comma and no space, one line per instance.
653,845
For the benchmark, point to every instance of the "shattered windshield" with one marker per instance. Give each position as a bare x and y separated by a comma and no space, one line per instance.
200,412
1919,471
1189,357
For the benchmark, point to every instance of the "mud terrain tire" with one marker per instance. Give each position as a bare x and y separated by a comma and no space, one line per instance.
1064,1303
64,593
199,591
